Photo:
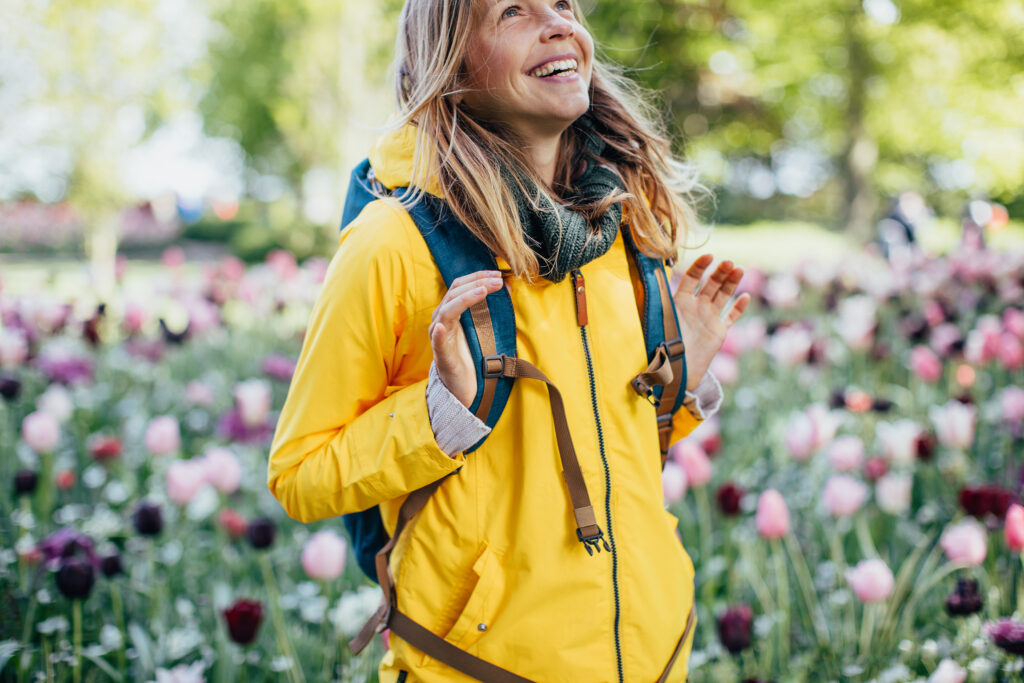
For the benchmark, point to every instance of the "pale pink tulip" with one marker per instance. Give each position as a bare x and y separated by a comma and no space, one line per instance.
163,436
56,401
943,337
954,424
843,495
223,470
846,453
253,400
948,671
1012,403
856,321
934,313
799,437
199,394
826,422
135,317
323,557
673,482
782,290
892,493
13,348
965,543
747,334
898,440
790,345
926,364
772,518
184,480
694,461
41,431
1011,352
1014,529
871,580
1013,322
726,368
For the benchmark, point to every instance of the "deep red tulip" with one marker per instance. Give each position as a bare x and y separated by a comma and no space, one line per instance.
243,619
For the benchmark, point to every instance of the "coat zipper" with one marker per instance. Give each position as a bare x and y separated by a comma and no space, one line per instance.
582,320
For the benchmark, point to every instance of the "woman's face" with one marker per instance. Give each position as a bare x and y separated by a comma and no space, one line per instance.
528,65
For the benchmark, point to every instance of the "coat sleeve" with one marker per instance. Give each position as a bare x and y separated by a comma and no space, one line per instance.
348,438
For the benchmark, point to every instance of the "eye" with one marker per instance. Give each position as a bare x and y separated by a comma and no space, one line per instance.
512,11
562,6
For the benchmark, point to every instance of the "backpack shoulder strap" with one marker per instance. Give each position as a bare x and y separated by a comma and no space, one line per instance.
663,383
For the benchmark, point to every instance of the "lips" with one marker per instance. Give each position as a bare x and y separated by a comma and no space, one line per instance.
559,63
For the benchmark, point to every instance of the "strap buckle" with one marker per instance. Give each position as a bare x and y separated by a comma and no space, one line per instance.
488,363
665,422
645,390
674,349
593,541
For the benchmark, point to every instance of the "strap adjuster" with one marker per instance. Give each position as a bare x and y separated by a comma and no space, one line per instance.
665,422
645,390
674,349
493,366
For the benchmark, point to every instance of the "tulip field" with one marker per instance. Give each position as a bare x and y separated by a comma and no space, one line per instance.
853,511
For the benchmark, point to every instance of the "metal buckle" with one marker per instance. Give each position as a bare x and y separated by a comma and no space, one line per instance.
641,387
674,343
493,374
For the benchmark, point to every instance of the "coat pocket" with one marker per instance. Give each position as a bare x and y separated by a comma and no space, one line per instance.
484,601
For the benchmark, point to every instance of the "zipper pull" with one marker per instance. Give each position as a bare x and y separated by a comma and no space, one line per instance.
581,297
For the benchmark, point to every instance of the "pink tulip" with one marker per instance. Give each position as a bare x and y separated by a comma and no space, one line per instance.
13,348
871,580
790,345
1012,402
199,394
1011,352
954,424
846,453
694,461
673,482
843,495
948,671
800,436
726,368
892,493
926,364
1014,529
184,480
943,338
41,431
163,436
782,290
1013,322
856,321
933,313
135,317
223,470
253,400
826,422
56,401
965,543
898,440
323,557
772,518
747,334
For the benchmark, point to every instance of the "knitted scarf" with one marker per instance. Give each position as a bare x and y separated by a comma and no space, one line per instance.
564,239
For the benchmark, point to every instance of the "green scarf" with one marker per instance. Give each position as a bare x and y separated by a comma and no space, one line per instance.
580,242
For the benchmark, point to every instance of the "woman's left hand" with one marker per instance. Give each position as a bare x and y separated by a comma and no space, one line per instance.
703,316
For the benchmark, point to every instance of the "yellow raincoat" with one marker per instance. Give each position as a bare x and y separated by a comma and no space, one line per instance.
492,563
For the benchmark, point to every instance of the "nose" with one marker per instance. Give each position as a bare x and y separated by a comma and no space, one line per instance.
556,26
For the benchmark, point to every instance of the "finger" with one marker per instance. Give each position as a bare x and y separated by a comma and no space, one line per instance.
737,309
452,308
728,287
456,291
715,281
692,276
474,276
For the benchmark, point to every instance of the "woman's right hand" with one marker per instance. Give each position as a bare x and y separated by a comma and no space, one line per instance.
448,341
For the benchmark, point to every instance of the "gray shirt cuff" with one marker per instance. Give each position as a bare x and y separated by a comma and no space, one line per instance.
706,397
455,427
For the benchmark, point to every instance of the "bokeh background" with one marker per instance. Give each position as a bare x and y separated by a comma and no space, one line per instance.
171,179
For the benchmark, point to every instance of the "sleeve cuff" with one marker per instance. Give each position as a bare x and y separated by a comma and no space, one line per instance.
455,427
706,397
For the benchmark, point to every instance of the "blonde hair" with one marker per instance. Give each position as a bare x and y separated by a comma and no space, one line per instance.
465,155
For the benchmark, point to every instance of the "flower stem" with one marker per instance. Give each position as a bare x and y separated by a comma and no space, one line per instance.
26,633
782,587
115,597
283,642
867,629
796,555
708,588
76,614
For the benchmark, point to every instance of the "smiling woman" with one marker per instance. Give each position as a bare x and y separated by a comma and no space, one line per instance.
511,230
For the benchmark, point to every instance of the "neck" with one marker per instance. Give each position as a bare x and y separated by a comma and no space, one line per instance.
543,157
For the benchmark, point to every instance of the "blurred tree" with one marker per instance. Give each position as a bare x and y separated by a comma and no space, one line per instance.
106,78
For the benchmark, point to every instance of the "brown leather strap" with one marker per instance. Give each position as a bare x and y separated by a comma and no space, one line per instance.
481,315
679,646
440,649
587,529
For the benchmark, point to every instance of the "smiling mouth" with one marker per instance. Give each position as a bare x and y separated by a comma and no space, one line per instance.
558,67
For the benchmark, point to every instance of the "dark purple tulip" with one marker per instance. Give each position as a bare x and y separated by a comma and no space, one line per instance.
882,405
75,578
279,367
837,399
260,533
149,521
10,386
985,500
915,327
926,444
231,426
965,598
728,497
174,337
25,481
734,628
1007,634
66,543
111,565
243,619
66,369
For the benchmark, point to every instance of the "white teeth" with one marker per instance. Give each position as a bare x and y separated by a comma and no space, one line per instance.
552,67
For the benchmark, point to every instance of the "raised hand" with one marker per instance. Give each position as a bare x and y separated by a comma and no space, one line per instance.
703,315
448,341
